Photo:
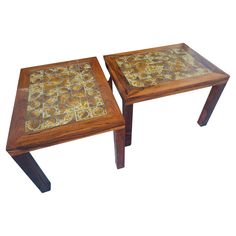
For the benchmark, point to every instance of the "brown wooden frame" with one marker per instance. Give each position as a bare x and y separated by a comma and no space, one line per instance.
130,95
19,143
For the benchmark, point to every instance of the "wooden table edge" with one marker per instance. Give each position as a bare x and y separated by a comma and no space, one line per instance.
165,91
62,63
146,50
15,149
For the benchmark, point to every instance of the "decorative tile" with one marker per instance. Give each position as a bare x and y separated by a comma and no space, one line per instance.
62,95
152,68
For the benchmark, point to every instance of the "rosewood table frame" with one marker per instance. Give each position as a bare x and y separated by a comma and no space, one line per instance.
20,144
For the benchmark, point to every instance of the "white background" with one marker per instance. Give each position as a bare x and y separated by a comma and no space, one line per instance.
179,179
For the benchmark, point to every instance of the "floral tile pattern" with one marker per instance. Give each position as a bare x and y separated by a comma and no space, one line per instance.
62,95
152,68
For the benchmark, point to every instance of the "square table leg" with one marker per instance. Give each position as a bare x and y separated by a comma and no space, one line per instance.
128,115
119,141
33,171
210,104
110,82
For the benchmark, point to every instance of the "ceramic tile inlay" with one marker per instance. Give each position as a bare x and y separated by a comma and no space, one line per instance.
152,68
62,95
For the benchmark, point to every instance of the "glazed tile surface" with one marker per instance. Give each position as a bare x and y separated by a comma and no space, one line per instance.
62,95
152,68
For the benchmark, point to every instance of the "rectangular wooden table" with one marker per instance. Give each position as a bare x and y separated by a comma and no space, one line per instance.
156,72
57,103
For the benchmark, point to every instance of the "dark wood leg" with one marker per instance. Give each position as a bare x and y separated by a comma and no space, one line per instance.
110,82
210,103
128,115
119,141
32,169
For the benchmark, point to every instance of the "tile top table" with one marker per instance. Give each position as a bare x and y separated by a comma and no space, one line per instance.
61,102
157,72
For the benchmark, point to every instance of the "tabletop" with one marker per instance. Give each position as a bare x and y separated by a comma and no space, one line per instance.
60,102
145,74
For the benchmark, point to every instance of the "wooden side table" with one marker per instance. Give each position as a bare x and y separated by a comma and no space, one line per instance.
152,73
57,103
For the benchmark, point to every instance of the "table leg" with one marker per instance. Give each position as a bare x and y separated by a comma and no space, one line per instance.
119,141
110,82
34,172
210,104
128,115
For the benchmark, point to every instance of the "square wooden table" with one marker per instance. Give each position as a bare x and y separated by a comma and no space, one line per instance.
157,72
57,103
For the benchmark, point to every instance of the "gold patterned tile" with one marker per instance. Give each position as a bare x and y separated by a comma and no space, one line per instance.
152,68
62,95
